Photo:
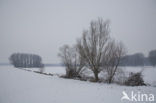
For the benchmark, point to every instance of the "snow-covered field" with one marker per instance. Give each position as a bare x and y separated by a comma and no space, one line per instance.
20,86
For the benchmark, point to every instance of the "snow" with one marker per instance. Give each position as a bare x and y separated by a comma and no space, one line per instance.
20,86
55,70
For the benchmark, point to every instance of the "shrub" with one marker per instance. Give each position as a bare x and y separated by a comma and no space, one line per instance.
72,61
72,73
135,79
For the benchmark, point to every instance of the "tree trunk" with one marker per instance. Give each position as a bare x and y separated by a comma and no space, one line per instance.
96,76
110,80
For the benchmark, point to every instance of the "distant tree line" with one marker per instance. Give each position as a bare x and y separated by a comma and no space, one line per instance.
23,60
152,57
138,59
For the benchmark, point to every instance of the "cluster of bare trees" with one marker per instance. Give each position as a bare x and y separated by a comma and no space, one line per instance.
23,60
95,50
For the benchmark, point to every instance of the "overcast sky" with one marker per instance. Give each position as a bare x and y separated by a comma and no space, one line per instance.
42,26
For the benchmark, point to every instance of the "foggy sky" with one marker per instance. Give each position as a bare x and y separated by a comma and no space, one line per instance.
42,26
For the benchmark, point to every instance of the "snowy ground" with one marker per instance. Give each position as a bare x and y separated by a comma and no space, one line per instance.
19,86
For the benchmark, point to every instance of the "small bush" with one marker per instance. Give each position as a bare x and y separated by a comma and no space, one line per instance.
72,73
135,79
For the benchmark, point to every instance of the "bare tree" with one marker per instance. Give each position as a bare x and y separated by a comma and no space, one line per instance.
92,45
113,53
72,61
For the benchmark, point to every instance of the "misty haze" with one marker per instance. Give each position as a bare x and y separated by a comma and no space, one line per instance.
81,51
